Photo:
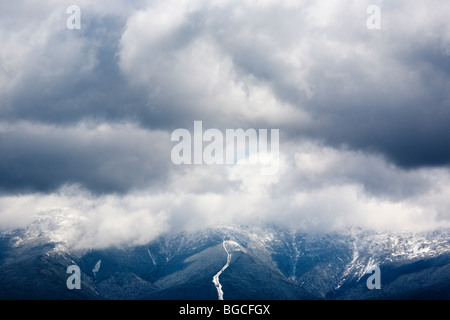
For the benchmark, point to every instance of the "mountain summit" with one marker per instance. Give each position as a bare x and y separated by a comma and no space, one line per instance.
230,263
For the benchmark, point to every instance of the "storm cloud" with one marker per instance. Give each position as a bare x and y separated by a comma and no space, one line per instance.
87,114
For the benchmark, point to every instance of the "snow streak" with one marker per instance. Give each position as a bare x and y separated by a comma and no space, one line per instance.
216,277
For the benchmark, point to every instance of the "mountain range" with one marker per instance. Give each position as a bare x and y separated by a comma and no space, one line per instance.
231,262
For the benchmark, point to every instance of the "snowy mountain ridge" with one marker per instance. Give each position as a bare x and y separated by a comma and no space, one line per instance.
237,262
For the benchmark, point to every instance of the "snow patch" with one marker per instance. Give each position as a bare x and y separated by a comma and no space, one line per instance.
229,246
97,267
151,257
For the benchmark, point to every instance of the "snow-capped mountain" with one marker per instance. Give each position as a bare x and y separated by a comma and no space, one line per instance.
229,262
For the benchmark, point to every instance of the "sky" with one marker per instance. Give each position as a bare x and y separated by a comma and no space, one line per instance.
86,115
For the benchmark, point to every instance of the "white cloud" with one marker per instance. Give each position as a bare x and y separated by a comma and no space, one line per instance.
172,51
305,196
304,67
38,51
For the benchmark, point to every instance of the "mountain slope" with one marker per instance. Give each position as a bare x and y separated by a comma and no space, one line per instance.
247,262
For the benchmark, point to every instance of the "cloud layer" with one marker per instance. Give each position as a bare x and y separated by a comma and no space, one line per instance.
86,115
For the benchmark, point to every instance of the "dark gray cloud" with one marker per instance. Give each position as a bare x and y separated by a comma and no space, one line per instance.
403,116
68,76
383,91
363,114
313,70
114,158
